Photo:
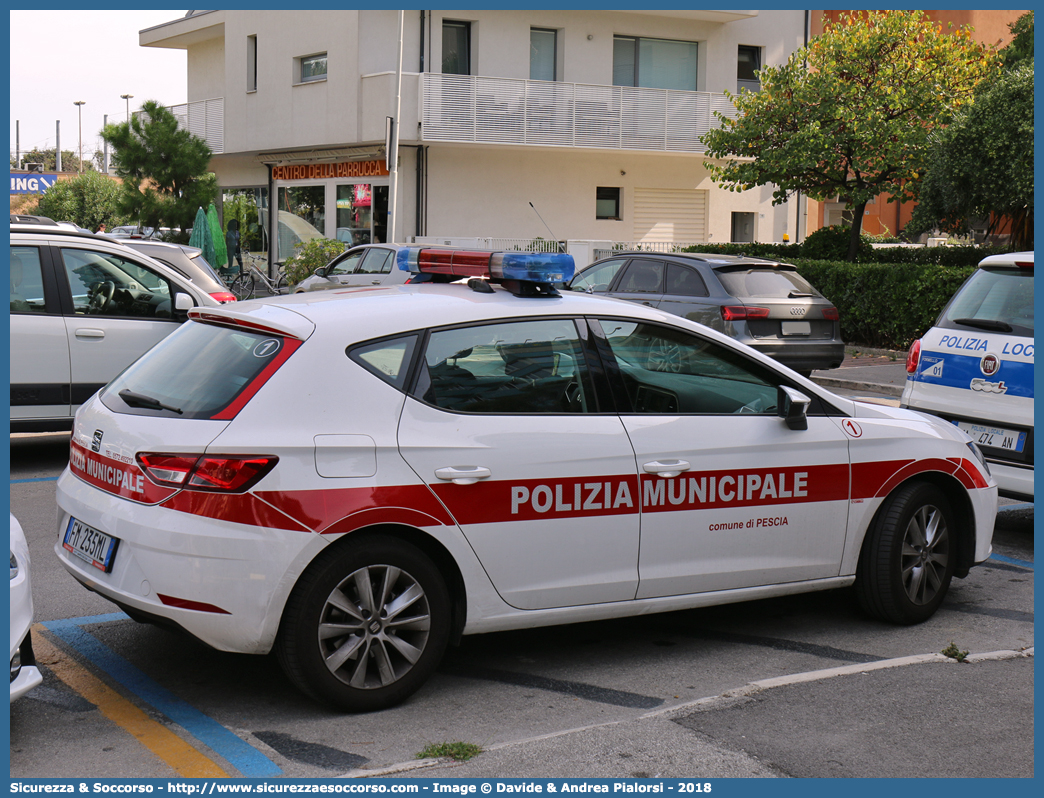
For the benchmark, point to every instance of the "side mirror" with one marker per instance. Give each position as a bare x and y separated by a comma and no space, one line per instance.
792,407
183,302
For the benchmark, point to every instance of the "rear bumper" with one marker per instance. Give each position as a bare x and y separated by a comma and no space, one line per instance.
801,355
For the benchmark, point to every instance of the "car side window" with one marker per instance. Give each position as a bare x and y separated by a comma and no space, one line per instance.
346,264
103,284
511,367
671,371
26,278
598,278
389,359
683,281
377,261
643,276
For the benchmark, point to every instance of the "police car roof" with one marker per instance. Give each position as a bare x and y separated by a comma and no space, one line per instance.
372,313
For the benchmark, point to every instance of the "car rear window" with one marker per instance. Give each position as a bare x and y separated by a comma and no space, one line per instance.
200,371
994,300
765,282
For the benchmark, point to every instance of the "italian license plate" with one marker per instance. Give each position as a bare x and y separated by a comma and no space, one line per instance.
90,545
796,327
995,437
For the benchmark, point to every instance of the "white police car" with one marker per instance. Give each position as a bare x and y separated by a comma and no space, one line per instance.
357,477
974,368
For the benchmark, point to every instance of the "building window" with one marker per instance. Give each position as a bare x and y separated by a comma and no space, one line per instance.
607,203
742,227
312,68
748,64
456,48
543,49
654,63
251,63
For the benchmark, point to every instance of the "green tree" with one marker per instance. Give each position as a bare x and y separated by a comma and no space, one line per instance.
981,166
851,113
88,200
163,166
70,163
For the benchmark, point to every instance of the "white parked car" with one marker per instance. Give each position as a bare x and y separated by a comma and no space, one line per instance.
365,266
83,308
974,368
355,478
24,673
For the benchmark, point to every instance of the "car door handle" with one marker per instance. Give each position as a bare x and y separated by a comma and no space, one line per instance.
375,282
89,332
666,468
463,475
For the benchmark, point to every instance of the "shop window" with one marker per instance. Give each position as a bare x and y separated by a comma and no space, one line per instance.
748,64
456,48
311,68
543,48
302,217
607,203
251,63
654,63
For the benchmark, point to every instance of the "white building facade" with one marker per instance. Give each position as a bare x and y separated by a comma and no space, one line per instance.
568,125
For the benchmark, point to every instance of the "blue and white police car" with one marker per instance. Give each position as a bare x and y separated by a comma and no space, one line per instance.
356,477
974,368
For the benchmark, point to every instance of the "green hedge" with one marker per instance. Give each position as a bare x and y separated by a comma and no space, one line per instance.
884,305
937,256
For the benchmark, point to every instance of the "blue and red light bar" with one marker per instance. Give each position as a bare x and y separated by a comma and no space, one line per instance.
530,267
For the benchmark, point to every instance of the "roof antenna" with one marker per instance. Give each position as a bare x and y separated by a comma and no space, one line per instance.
541,218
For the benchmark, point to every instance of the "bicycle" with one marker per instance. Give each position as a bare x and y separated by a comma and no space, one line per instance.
243,283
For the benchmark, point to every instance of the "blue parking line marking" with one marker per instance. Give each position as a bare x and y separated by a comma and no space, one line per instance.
1011,561
37,479
244,757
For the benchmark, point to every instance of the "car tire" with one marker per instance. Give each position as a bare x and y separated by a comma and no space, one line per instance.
242,286
282,287
908,557
339,643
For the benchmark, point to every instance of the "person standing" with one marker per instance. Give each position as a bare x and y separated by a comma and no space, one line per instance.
232,243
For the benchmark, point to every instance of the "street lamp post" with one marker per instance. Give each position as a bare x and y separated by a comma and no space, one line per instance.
79,110
127,97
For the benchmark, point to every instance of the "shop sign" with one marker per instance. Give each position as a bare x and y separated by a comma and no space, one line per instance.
37,183
322,171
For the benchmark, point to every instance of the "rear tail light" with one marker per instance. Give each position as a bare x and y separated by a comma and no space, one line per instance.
741,312
211,473
913,357
831,314
224,297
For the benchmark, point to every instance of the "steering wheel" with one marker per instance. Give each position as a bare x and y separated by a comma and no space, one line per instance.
101,298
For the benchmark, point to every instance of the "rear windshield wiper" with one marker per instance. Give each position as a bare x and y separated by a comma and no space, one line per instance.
986,324
141,400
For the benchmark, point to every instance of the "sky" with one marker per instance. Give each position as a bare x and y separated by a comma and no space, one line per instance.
92,56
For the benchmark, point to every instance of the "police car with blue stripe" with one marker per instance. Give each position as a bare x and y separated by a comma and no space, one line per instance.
974,368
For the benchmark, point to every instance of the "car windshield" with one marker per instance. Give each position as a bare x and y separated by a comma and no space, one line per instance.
998,300
765,282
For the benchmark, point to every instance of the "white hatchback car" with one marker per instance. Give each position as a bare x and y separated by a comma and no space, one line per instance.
974,368
83,308
512,458
24,673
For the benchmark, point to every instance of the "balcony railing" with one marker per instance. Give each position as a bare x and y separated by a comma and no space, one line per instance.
475,109
204,118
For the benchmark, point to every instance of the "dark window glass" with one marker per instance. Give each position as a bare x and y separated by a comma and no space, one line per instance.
607,203
643,276
765,283
672,371
456,48
513,367
749,63
109,285
683,281
598,278
389,360
377,261
27,291
346,264
655,63
542,51
313,67
199,369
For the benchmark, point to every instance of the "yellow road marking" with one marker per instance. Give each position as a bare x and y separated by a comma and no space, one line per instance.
185,760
